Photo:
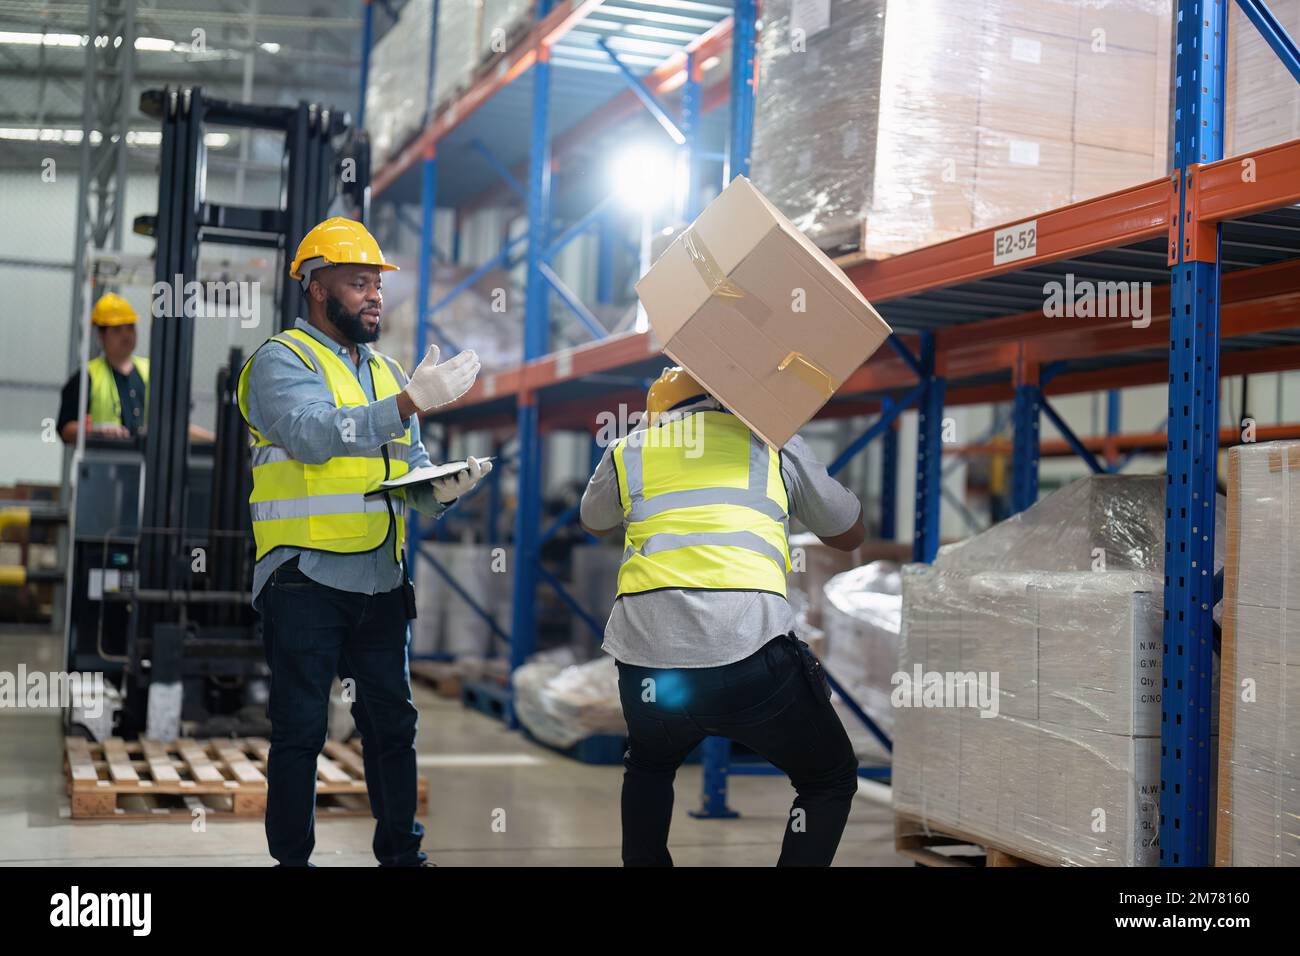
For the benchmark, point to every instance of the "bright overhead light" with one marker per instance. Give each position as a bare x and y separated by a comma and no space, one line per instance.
644,177
156,45
270,47
37,39
72,137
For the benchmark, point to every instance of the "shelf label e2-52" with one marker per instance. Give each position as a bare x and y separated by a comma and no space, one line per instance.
1015,242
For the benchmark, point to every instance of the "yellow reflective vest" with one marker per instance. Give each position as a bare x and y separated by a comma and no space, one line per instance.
105,405
324,507
705,507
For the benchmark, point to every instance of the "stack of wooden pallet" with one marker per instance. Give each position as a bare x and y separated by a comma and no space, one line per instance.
222,778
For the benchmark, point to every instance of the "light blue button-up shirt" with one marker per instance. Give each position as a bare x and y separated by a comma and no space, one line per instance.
291,406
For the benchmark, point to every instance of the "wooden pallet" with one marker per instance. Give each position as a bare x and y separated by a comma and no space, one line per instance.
442,677
921,841
147,780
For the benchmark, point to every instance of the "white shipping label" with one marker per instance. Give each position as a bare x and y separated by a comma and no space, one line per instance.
1015,242
489,386
1026,50
563,364
1023,152
812,16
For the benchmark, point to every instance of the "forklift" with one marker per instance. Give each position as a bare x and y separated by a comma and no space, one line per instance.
161,548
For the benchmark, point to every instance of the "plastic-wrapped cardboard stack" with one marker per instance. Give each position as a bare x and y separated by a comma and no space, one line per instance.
1259,752
470,33
929,120
1263,101
486,317
1060,760
862,610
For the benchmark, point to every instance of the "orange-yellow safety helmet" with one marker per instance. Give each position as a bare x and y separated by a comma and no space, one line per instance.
671,388
112,309
339,241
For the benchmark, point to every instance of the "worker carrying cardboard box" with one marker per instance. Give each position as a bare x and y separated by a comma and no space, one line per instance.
330,420
701,629
119,380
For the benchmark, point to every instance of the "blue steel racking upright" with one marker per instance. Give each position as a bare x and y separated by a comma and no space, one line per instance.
948,352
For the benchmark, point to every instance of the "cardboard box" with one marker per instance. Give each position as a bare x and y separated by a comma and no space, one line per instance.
1058,17
1258,820
1099,661
1099,171
1125,24
999,633
1263,101
758,314
1018,61
1018,175
1118,76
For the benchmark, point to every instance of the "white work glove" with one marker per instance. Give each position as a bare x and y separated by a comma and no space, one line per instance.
432,384
447,490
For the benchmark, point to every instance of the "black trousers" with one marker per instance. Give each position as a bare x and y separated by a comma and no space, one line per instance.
311,633
777,703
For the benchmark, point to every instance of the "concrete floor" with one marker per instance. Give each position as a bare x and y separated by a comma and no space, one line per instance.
557,812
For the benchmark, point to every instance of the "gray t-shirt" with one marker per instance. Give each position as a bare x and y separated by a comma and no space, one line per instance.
696,628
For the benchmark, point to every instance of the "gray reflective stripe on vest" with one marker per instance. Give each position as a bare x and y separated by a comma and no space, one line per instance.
266,454
729,539
754,496
706,496
318,505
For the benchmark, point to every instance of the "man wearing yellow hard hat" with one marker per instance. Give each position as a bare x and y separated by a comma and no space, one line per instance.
330,418
118,406
701,629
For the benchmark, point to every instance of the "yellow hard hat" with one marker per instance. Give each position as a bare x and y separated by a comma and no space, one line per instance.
339,241
112,309
672,387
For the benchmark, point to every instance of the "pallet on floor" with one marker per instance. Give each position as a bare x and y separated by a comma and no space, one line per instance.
148,780
922,841
487,697
598,749
441,676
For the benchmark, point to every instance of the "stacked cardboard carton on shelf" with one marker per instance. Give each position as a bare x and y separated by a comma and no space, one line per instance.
881,127
470,34
1059,761
1259,753
487,317
1263,101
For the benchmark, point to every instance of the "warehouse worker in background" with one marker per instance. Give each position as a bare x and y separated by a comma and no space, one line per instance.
330,418
701,630
119,380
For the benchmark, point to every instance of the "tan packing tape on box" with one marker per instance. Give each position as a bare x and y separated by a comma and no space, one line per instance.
755,310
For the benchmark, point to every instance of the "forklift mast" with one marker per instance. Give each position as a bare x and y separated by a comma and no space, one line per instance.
181,632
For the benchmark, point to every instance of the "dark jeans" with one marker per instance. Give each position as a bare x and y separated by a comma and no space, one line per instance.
777,703
311,633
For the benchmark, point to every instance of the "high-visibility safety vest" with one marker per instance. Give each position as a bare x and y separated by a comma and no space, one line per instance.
324,507
705,506
105,405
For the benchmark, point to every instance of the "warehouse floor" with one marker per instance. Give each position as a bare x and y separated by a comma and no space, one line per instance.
557,812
